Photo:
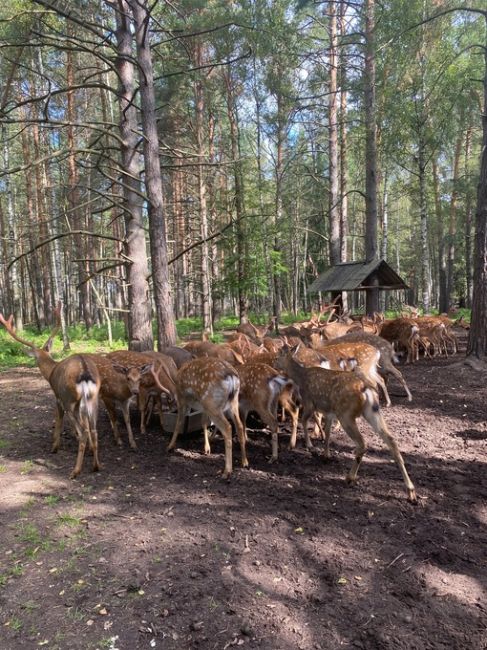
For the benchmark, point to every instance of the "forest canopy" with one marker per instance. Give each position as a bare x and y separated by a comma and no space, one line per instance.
200,158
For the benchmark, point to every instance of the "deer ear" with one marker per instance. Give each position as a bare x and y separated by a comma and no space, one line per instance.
146,368
118,368
32,352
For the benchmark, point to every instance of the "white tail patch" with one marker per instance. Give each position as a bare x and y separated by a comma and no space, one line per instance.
232,384
372,399
276,384
325,364
88,392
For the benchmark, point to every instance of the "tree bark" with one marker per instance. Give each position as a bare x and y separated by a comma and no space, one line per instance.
139,321
477,338
333,204
166,328
372,295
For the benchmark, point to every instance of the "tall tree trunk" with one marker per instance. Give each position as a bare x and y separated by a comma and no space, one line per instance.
452,229
139,322
372,295
343,141
333,203
385,221
423,210
440,237
468,220
73,196
243,303
12,238
477,337
166,327
206,289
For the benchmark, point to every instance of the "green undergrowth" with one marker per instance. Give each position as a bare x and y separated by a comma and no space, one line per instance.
12,354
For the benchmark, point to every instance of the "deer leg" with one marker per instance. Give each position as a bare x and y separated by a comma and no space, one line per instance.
179,427
142,404
307,413
376,421
350,427
58,427
383,385
398,375
329,421
293,411
126,417
220,421
82,434
271,421
207,438
112,414
241,434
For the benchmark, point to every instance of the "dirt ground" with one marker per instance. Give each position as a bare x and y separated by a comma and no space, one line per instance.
156,551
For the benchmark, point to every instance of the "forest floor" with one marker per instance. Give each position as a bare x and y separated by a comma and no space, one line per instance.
156,551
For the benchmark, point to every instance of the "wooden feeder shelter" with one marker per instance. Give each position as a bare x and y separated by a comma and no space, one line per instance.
371,277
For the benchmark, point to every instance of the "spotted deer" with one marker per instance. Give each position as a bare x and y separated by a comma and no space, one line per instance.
387,355
146,388
211,385
119,384
261,389
346,355
75,382
346,396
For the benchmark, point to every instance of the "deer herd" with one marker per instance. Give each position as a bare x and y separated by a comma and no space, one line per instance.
333,370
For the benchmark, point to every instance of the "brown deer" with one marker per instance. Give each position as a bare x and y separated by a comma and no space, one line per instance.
345,396
346,355
211,385
119,384
387,355
147,389
75,382
256,332
403,332
261,388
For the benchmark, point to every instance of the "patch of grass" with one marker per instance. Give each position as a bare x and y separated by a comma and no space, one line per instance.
26,467
17,570
3,579
69,520
184,326
29,606
3,469
75,614
51,499
15,624
107,642
4,444
30,535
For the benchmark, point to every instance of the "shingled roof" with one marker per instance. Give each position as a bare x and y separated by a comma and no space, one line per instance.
356,276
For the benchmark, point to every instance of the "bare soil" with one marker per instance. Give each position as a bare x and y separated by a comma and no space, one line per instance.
156,551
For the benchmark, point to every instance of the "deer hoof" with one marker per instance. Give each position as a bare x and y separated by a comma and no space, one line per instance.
272,459
226,475
412,498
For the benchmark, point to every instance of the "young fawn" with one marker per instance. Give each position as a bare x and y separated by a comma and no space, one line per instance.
346,396
211,385
75,382
261,388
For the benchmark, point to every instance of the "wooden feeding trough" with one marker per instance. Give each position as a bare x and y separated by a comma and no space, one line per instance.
192,422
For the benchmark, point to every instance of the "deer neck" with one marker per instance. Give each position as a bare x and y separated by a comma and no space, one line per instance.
45,363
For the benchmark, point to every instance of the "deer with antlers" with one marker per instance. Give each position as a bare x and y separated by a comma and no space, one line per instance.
346,396
75,382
